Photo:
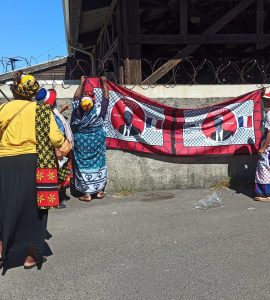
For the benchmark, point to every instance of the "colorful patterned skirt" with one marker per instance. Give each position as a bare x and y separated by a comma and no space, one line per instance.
262,179
90,170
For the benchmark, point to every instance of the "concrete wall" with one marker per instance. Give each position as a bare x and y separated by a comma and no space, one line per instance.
131,171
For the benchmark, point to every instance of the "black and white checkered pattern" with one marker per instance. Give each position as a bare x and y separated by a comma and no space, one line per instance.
150,136
194,136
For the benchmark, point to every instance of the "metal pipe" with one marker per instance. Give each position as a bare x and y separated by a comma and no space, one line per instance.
93,66
67,24
4,95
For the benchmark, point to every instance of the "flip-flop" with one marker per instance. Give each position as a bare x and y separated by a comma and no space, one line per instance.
37,264
262,199
101,197
85,199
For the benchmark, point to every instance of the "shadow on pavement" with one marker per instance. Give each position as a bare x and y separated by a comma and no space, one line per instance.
242,172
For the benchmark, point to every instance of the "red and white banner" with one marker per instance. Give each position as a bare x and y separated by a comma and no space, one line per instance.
137,123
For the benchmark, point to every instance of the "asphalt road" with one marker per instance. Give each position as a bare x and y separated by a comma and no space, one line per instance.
152,246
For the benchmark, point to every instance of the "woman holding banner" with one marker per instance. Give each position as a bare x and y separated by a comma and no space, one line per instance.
87,123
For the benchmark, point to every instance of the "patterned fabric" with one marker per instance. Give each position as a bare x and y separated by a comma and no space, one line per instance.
65,174
262,190
263,168
25,85
267,120
46,176
90,170
262,178
64,125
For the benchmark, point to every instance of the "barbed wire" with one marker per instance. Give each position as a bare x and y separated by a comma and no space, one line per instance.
189,71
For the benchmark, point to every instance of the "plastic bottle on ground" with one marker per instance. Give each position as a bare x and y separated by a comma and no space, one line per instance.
210,201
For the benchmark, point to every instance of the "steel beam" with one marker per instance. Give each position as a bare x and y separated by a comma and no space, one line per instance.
191,48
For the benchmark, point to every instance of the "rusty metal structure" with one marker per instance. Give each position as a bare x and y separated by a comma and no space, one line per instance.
126,33
161,41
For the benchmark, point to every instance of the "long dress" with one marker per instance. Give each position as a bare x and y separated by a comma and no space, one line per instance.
90,170
262,178
22,224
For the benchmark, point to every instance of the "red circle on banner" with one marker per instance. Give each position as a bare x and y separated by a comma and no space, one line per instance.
229,123
136,115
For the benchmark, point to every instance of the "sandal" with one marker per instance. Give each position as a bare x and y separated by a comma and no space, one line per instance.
101,195
262,199
36,264
85,198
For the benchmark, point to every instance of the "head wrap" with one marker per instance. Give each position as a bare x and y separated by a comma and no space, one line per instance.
46,96
25,85
87,103
266,95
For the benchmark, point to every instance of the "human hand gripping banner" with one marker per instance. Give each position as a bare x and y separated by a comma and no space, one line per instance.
137,123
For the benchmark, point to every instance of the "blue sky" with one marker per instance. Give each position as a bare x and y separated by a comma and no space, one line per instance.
32,28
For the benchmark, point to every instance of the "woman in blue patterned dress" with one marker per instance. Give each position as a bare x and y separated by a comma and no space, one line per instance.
87,124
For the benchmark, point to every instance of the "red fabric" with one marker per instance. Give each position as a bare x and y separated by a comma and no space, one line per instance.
89,89
52,98
178,133
249,121
48,197
67,172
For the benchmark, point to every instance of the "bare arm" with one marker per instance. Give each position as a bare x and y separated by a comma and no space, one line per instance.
265,144
104,86
105,97
64,108
79,90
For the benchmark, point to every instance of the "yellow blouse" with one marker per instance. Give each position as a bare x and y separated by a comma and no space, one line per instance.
20,136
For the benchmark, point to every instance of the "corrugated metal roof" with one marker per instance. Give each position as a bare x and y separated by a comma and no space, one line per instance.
92,20
36,68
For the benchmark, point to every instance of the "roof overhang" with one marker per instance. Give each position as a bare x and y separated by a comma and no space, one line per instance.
72,14
84,20
66,21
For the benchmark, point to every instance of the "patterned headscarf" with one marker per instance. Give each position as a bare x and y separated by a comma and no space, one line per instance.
25,85
46,96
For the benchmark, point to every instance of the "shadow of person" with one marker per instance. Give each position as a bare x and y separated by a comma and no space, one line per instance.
241,170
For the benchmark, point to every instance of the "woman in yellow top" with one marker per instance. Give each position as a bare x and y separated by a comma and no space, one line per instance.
23,137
